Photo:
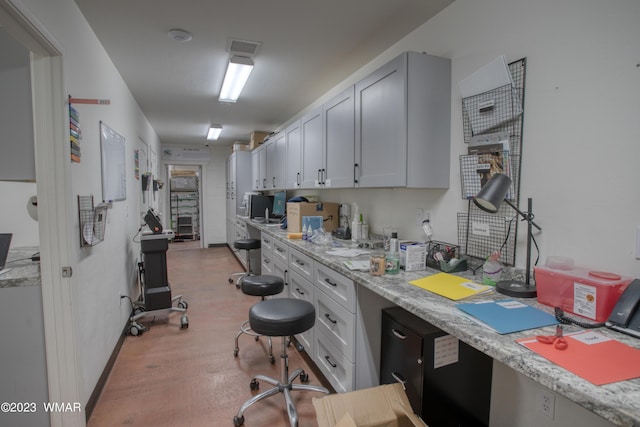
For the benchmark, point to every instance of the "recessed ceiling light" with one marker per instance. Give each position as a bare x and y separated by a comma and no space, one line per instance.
179,35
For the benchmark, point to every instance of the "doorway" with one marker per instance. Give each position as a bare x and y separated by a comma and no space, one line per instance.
185,202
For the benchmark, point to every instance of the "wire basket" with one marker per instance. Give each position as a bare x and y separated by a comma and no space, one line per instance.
93,221
447,250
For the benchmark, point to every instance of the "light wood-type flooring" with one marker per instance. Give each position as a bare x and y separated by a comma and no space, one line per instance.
188,377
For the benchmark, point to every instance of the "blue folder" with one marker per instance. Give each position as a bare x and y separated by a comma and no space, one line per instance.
507,316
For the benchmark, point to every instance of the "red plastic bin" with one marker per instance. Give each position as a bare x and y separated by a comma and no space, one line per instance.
579,290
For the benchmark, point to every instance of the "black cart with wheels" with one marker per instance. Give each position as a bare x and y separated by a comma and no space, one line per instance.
156,296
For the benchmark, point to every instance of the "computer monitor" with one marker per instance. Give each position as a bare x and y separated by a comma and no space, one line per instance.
279,204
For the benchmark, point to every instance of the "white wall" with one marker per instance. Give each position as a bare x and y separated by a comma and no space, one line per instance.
581,139
104,272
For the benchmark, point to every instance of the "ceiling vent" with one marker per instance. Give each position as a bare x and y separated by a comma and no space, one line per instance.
243,47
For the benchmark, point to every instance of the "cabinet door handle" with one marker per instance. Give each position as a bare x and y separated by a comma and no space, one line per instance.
299,291
335,285
324,176
266,261
355,175
298,179
396,376
399,334
330,319
319,176
333,365
300,263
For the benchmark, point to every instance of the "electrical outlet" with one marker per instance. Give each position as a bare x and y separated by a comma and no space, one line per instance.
546,402
419,216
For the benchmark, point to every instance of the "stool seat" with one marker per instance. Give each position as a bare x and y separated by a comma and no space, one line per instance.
282,317
246,244
262,285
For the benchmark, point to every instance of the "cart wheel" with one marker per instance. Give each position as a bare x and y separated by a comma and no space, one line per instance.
304,377
237,285
255,385
139,310
184,322
230,280
135,331
183,304
272,359
238,421
235,352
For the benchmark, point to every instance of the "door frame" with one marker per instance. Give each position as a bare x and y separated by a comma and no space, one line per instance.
55,205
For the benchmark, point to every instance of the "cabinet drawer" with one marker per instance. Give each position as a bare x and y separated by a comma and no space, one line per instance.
340,288
266,241
301,263
402,360
303,289
281,250
337,323
267,262
334,365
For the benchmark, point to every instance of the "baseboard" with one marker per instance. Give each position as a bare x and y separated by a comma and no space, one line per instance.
217,245
95,395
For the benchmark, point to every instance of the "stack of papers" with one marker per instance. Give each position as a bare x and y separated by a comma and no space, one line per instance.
508,316
357,265
592,356
450,286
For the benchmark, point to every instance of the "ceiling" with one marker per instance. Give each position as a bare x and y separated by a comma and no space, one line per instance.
308,48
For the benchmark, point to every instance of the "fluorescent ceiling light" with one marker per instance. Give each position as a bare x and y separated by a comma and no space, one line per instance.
235,78
214,132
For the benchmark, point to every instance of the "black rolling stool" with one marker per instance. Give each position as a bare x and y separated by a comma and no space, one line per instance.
259,286
281,317
246,245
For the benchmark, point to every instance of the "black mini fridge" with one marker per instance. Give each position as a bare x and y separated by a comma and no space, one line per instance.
448,382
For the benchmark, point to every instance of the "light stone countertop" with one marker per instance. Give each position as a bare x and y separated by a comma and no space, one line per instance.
22,271
618,403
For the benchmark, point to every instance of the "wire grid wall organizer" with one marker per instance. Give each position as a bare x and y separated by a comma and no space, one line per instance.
499,111
93,221
480,234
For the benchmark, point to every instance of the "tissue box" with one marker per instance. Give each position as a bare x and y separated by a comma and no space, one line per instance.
296,210
413,256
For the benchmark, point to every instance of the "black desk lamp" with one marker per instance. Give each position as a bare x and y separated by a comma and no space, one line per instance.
489,199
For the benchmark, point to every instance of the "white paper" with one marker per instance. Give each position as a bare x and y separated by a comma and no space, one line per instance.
445,351
491,76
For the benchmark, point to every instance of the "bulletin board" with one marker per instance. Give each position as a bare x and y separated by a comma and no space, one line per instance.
114,182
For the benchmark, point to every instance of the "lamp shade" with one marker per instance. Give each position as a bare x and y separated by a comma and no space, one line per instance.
491,196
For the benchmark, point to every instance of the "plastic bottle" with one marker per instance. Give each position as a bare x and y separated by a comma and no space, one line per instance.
392,263
304,232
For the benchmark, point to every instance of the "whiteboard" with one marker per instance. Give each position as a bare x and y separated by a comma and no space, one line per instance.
114,180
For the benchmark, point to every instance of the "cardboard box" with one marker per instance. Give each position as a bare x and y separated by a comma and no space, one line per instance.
327,210
240,146
382,406
256,139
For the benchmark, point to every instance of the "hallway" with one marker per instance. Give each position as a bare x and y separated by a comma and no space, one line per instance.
173,377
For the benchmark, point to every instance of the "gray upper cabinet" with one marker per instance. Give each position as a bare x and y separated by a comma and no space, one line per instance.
276,161
293,176
339,140
312,148
403,123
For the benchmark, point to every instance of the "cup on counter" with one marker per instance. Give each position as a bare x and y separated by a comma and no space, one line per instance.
377,264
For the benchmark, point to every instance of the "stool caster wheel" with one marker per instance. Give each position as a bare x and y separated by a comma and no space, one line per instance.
184,322
237,285
304,377
272,359
230,280
255,385
235,352
134,330
238,421
183,304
